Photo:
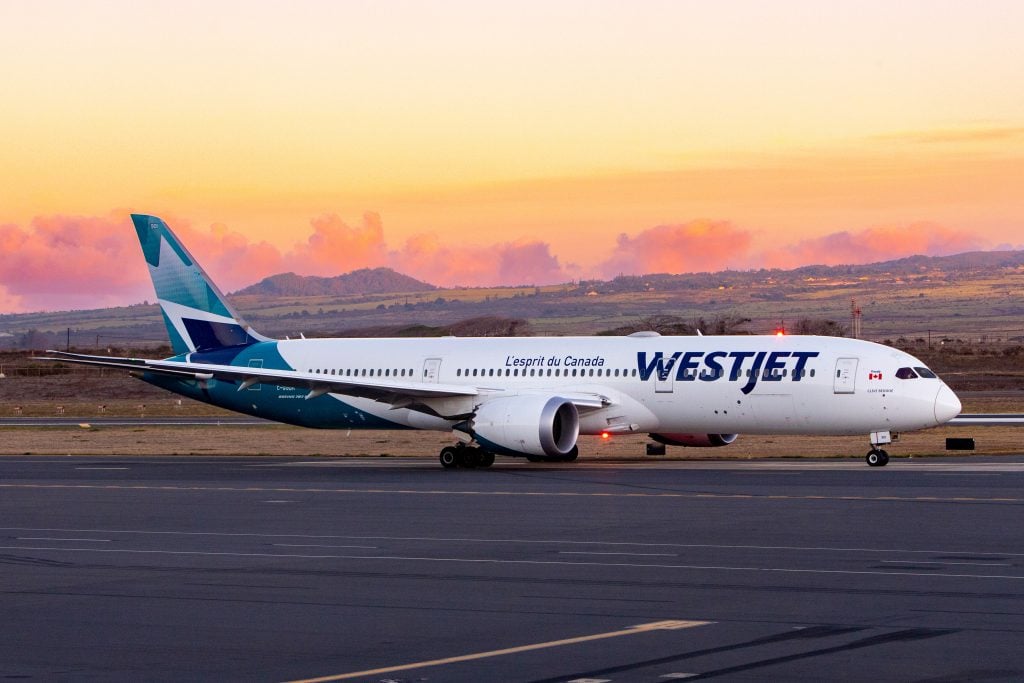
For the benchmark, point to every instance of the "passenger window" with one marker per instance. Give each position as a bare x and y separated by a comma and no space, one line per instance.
812,372
906,373
458,373
515,373
926,373
474,372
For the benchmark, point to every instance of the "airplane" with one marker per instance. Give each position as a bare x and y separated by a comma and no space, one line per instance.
528,396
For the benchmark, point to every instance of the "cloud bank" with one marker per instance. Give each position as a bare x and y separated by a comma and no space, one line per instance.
61,262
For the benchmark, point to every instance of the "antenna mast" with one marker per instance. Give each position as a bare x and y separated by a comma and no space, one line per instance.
855,318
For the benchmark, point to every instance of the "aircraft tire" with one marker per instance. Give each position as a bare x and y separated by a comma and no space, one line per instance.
468,457
485,459
449,457
571,455
876,458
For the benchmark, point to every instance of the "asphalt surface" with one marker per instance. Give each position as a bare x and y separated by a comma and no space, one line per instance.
276,569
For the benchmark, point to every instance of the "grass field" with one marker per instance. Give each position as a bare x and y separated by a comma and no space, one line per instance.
297,441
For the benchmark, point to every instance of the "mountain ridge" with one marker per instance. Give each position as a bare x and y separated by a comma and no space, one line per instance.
361,281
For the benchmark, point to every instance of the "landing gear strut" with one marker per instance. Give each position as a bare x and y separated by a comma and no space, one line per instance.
465,456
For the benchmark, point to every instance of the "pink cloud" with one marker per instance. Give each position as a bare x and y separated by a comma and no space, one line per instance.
71,262
873,244
228,256
521,262
697,246
60,262
9,302
336,247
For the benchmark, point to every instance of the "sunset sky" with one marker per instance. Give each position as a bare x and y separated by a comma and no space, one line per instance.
482,143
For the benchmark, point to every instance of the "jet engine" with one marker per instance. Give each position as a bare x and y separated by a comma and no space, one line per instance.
695,440
527,425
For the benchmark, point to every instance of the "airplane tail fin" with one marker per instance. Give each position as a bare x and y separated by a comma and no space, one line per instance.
197,315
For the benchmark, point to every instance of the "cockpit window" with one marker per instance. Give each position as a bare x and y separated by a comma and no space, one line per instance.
906,373
925,372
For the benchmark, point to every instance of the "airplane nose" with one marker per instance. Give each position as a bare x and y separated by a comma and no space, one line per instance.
947,405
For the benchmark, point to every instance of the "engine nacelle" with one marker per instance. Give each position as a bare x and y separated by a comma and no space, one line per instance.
527,425
695,440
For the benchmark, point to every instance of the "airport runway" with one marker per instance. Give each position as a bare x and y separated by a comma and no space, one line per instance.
276,569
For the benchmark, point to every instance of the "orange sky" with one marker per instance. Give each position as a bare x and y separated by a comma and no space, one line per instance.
471,143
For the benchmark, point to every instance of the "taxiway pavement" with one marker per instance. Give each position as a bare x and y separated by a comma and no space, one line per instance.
394,569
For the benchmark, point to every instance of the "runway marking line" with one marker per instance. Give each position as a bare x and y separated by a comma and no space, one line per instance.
76,540
527,541
537,494
481,561
631,631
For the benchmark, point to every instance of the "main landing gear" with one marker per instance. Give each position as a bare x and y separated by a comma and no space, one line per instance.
465,456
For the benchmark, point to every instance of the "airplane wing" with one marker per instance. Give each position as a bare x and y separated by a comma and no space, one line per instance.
376,389
399,394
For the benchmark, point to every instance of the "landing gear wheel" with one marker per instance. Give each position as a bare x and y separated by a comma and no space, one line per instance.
573,454
536,458
485,459
877,457
468,457
449,457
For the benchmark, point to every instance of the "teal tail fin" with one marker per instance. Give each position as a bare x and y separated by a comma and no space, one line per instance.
197,315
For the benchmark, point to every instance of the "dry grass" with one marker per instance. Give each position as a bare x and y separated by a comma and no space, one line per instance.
296,441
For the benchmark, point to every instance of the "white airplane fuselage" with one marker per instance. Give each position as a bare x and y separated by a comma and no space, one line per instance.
654,384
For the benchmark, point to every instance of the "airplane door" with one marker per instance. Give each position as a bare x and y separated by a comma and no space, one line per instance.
255,363
846,376
664,386
431,369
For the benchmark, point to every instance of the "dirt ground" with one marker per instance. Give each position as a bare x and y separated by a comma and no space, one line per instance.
297,441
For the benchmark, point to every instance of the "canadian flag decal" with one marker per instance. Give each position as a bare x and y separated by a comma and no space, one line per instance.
875,374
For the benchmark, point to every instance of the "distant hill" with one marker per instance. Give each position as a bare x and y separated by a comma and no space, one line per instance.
916,268
363,281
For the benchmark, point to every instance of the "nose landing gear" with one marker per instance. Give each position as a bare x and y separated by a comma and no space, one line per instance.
878,457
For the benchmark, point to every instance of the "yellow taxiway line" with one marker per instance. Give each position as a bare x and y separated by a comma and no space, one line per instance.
632,630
